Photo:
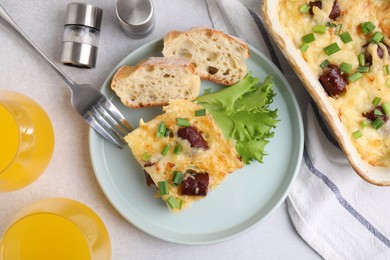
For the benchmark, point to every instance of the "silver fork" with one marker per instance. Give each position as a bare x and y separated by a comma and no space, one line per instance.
90,103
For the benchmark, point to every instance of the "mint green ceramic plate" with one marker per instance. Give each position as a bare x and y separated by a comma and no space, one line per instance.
243,200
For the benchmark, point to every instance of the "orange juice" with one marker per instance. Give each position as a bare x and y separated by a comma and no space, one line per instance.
26,140
45,236
9,138
58,229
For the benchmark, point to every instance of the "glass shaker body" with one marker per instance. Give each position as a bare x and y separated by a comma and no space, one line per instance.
81,35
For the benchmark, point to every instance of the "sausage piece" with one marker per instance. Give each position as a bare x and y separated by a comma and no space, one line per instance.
371,114
333,81
193,136
149,181
368,59
148,164
387,47
315,3
335,12
380,51
195,184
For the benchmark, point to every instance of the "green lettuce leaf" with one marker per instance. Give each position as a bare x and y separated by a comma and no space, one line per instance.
242,113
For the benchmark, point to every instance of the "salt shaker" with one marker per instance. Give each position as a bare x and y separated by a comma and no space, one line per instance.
136,17
81,35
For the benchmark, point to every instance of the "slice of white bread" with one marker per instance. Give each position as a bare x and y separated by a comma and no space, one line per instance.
155,82
217,57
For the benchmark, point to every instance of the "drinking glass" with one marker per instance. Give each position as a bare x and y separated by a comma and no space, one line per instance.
56,228
26,140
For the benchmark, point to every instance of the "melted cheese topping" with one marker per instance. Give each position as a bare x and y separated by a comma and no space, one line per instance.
374,145
219,160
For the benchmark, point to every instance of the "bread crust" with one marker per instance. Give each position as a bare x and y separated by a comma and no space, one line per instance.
239,53
125,78
373,174
174,34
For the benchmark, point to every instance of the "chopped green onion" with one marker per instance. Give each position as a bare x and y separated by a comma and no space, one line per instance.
165,150
163,187
367,27
325,64
388,83
378,112
332,48
377,123
200,112
179,203
346,67
304,47
177,149
177,178
363,69
386,108
338,29
355,76
377,37
345,37
304,9
376,101
319,29
308,38
146,157
330,24
364,124
182,122
357,134
167,132
386,70
161,129
362,59
173,203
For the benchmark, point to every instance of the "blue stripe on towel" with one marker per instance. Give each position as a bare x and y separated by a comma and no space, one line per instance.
342,200
266,38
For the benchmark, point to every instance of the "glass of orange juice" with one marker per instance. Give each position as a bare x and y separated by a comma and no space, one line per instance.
56,228
26,140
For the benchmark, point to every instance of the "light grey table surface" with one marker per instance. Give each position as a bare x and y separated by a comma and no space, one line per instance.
70,172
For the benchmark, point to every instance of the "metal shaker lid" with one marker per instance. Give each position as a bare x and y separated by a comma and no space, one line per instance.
136,17
84,14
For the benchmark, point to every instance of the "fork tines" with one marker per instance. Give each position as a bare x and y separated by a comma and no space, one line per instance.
108,121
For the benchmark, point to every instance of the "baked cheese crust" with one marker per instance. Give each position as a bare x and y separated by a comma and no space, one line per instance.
374,144
218,160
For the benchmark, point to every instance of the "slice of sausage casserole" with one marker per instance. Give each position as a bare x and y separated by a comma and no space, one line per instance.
183,153
347,46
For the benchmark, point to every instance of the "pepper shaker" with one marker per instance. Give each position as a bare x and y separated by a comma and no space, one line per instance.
81,35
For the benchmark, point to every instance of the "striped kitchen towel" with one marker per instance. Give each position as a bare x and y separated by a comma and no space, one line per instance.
336,212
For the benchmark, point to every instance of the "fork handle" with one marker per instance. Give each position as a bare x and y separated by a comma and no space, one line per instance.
10,25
